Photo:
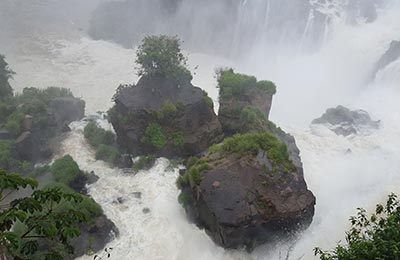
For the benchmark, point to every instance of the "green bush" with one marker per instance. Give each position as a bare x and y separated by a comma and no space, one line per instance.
14,122
108,153
87,206
234,84
252,143
168,109
184,199
144,163
252,118
268,86
6,73
370,237
5,155
97,136
65,170
155,135
162,56
177,139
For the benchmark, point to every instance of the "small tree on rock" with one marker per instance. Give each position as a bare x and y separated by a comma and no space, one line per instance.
162,56
5,74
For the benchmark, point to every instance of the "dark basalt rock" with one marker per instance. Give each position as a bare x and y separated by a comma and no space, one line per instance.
193,119
392,54
343,121
66,110
243,201
94,236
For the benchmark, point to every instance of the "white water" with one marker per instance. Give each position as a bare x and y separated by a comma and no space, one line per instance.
307,85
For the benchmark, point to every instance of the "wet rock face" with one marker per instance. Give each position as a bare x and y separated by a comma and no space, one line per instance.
94,236
162,117
67,110
392,54
245,201
343,121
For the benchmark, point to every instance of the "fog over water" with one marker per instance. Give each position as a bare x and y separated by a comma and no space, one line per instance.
326,60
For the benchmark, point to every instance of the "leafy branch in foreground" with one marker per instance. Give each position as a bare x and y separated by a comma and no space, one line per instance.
38,226
370,237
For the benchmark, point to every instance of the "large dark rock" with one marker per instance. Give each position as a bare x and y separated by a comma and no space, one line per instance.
247,200
182,113
344,121
66,110
392,54
94,236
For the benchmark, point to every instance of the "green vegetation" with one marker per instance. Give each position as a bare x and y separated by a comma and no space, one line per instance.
177,139
144,163
97,136
168,110
14,123
102,141
65,170
192,175
155,135
252,119
370,237
87,206
251,144
184,199
6,160
162,56
41,170
6,73
108,154
268,86
28,223
233,84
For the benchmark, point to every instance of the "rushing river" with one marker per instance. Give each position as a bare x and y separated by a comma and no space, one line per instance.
344,173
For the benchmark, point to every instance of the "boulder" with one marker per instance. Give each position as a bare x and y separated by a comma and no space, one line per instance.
125,161
163,117
344,121
24,147
94,236
247,199
66,110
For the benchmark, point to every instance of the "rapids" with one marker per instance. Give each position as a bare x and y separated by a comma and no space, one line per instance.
344,173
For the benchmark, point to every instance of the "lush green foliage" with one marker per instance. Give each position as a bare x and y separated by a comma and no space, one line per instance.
97,135
155,135
87,206
162,56
108,153
177,139
268,86
371,237
6,159
252,143
44,220
144,163
233,84
6,73
192,175
14,123
168,110
252,118
65,170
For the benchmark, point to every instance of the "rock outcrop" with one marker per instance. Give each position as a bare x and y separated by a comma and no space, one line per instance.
392,54
163,117
250,189
246,199
344,121
37,139
245,105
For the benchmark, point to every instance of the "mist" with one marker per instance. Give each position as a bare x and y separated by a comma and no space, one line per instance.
320,54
